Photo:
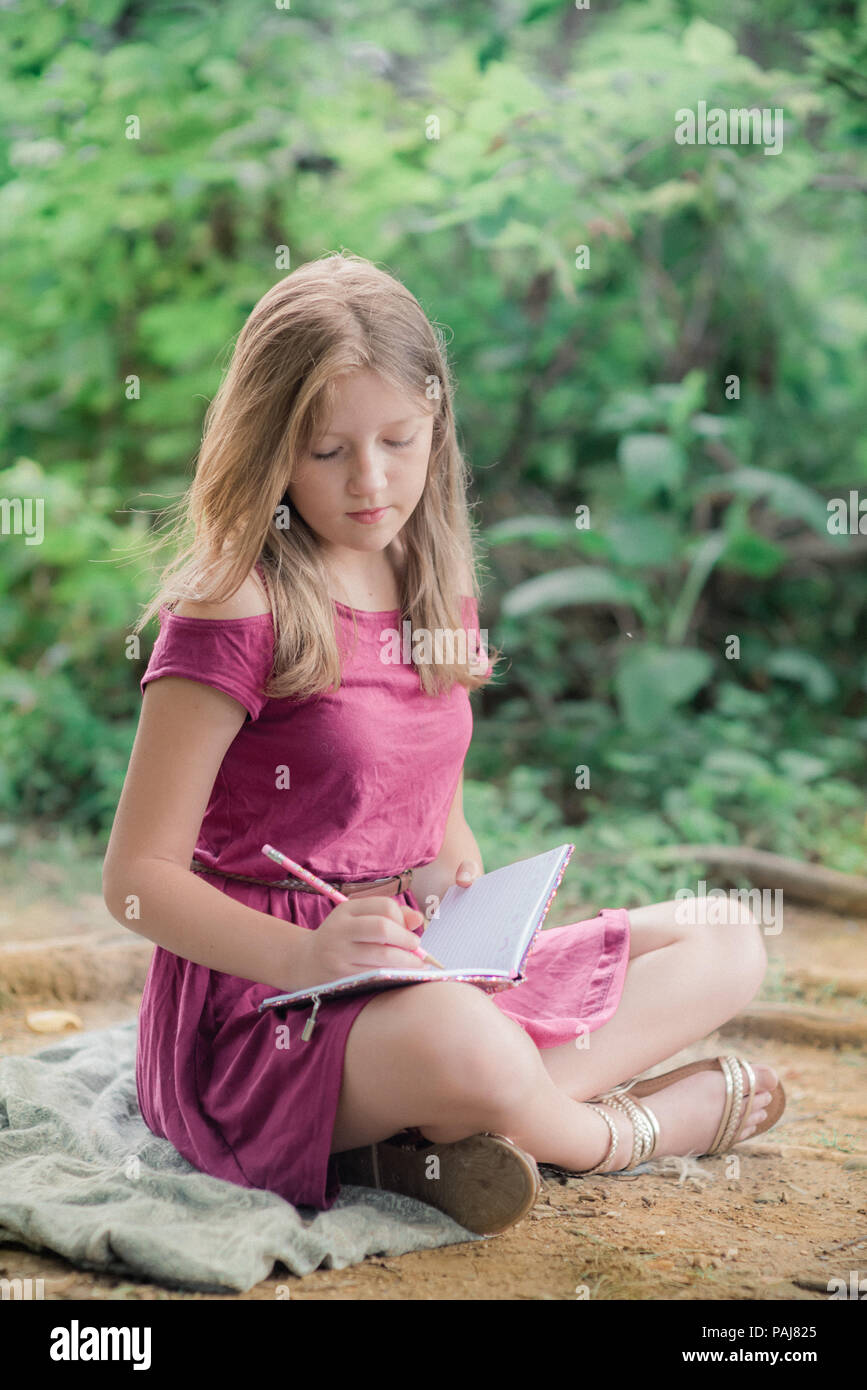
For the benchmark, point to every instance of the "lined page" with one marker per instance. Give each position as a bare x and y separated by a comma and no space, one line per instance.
498,914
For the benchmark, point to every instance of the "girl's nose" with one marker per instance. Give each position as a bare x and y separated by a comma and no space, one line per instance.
367,470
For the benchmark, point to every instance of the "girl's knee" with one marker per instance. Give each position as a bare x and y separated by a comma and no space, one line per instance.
476,1052
745,957
755,957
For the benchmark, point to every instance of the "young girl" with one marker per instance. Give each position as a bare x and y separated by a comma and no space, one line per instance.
329,505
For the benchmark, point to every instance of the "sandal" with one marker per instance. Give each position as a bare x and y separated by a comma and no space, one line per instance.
486,1182
646,1126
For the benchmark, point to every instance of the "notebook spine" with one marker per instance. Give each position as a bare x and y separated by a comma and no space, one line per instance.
544,913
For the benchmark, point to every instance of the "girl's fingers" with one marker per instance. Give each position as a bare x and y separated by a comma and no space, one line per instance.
374,956
379,907
467,870
374,931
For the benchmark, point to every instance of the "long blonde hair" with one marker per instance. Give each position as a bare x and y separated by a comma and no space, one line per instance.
330,316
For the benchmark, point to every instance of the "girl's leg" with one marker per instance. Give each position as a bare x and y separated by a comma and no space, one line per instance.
683,980
444,1059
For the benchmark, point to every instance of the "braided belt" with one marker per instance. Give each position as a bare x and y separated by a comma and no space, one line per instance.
383,887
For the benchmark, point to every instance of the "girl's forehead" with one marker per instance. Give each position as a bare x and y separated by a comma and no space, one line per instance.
370,398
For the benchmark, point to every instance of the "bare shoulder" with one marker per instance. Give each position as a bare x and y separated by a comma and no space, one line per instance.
247,602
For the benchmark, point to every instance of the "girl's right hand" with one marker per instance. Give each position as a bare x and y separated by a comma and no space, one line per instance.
361,934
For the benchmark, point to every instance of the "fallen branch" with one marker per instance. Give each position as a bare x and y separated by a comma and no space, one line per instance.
849,982
788,1023
809,883
68,968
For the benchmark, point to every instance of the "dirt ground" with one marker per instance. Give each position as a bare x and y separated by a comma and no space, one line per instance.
782,1222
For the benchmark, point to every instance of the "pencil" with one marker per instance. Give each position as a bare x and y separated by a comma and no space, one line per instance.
328,890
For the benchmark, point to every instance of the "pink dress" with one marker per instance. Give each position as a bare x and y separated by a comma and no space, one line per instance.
371,772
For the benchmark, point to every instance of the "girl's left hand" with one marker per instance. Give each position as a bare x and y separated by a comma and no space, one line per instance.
467,870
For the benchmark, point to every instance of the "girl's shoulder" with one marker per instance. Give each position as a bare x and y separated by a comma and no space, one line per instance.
228,645
249,601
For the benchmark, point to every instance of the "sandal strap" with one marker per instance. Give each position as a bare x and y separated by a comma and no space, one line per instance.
733,1110
741,1108
645,1126
612,1143
615,1090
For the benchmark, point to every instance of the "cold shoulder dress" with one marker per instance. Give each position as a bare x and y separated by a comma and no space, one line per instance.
355,784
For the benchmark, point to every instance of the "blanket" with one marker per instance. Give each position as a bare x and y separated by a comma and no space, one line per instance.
82,1175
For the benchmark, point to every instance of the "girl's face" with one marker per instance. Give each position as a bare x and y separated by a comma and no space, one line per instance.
363,477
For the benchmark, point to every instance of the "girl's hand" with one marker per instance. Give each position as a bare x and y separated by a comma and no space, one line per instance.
466,871
360,934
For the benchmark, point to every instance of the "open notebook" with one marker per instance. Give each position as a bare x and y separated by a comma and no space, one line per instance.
481,934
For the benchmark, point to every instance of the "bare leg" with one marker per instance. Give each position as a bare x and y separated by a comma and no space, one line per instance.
443,1058
681,983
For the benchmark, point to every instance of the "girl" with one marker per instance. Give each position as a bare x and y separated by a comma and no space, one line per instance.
329,504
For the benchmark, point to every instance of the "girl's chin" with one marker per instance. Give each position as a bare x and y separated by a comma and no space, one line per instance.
377,534
359,537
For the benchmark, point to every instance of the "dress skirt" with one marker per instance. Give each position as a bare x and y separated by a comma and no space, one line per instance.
243,1101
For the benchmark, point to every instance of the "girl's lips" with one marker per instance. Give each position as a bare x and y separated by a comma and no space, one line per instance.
368,518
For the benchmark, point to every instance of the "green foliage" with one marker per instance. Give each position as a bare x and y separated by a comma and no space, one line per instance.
131,264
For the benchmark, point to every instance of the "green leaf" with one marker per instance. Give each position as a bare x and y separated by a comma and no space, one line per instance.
707,43
736,764
628,409
651,681
583,585
540,530
647,539
651,462
801,767
750,553
786,495
672,196
806,670
704,555
710,426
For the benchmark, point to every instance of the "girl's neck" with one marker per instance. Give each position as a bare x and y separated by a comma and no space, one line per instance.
378,591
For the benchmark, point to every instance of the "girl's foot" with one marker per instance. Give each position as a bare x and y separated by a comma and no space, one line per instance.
485,1183
689,1113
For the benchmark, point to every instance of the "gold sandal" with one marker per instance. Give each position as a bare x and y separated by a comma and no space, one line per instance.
646,1126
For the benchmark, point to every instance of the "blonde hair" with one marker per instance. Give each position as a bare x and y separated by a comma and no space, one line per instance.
330,316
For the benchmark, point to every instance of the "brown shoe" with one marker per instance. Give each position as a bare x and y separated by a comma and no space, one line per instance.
485,1183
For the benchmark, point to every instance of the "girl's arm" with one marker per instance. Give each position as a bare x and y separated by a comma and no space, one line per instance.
459,851
183,733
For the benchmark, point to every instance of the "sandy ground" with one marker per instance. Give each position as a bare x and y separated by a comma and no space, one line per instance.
793,1217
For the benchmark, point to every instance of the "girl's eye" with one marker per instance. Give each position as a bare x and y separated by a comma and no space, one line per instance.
392,444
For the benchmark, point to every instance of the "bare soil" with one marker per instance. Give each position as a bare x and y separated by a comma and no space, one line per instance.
793,1217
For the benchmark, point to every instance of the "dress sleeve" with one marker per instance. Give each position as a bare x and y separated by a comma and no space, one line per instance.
234,655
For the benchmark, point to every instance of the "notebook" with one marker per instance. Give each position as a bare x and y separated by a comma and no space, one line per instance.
482,934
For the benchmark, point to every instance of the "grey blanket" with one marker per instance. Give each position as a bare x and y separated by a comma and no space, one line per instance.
82,1175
